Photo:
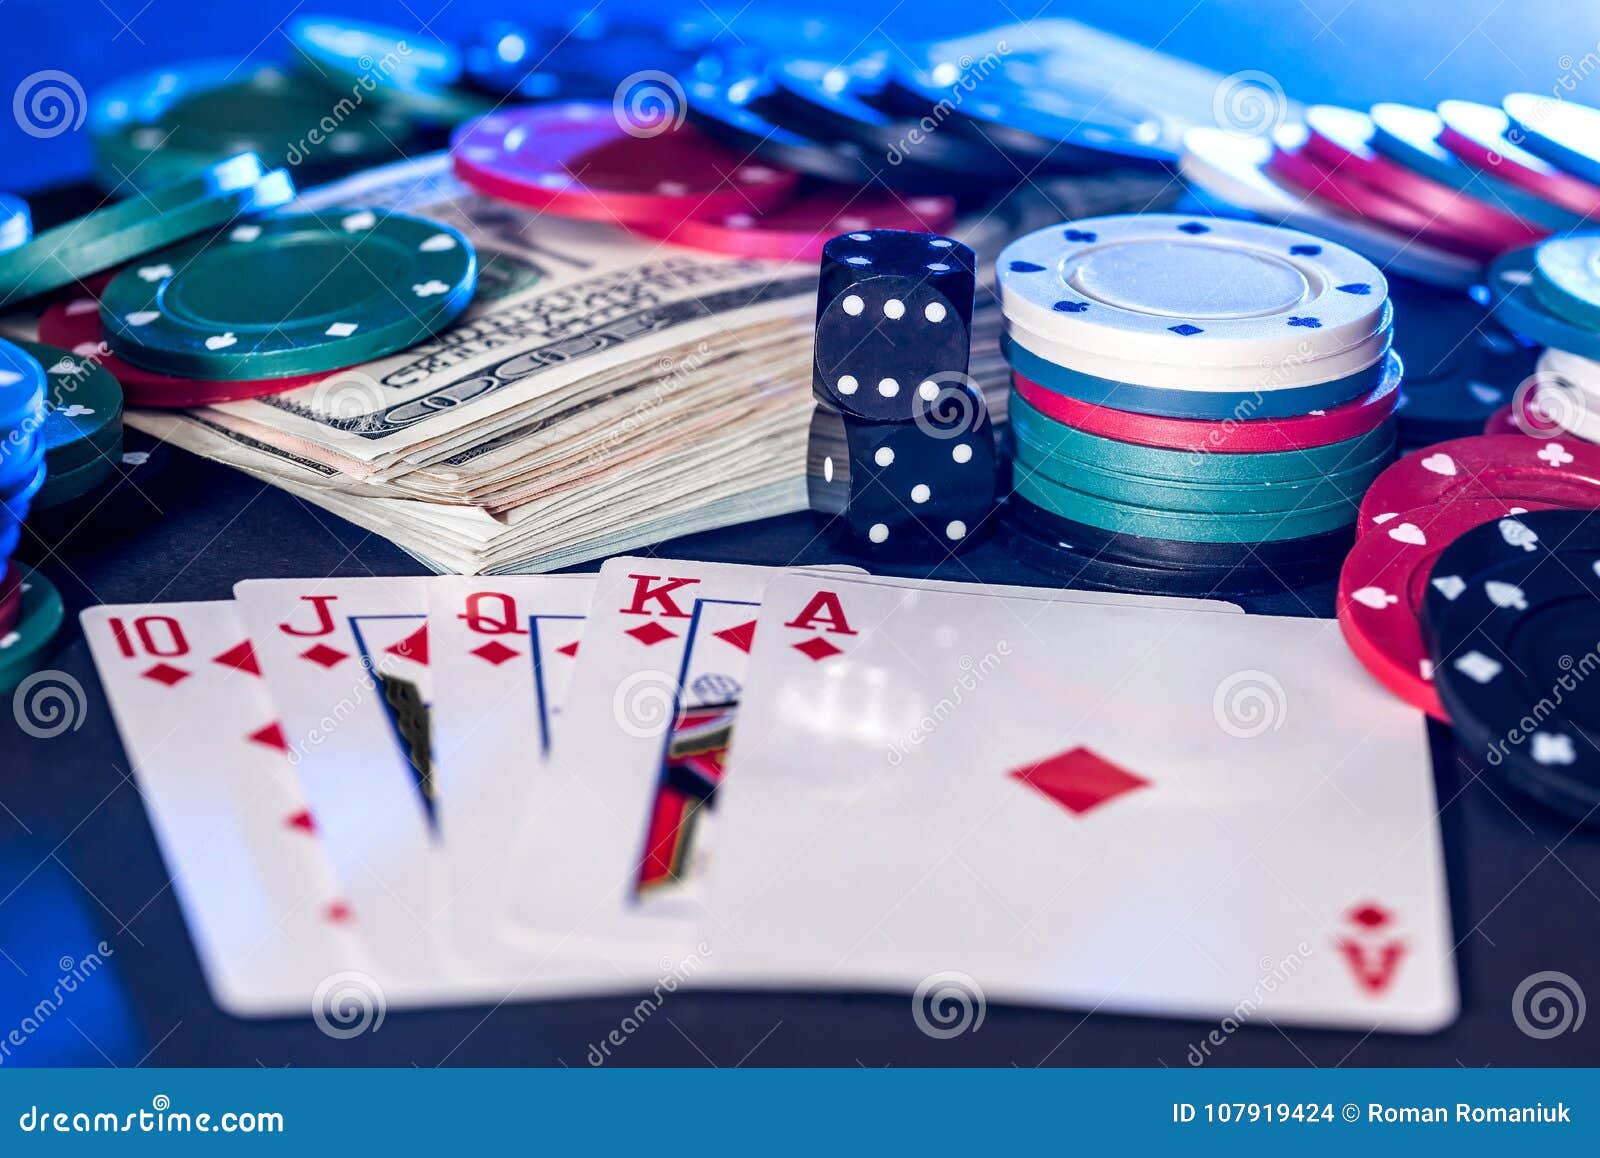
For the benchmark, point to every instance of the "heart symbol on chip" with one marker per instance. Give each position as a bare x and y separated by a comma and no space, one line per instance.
1374,597
141,317
1440,463
155,272
220,341
438,243
1409,533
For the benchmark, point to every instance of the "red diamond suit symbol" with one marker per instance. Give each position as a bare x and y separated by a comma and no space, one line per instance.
1078,779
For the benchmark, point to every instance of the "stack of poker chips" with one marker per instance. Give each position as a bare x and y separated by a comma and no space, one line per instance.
1550,294
1197,405
30,609
902,458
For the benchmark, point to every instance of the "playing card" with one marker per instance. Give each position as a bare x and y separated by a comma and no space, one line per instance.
346,661
269,919
502,651
1087,805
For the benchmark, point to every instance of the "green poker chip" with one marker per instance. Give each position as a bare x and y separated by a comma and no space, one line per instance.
122,232
413,74
38,622
1047,437
70,485
297,294
1179,526
83,408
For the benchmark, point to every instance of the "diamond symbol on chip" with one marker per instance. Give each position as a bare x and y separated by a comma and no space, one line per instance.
1505,596
1450,586
141,317
324,655
438,243
165,674
341,329
650,633
1078,779
1553,748
494,652
1477,666
1185,330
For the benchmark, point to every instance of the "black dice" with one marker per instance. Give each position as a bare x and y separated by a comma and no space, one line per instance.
905,490
894,313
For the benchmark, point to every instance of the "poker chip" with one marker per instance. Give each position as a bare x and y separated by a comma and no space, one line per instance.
83,408
164,126
1342,140
1188,291
1562,132
1383,585
1410,136
1461,365
797,230
21,456
138,487
577,160
66,486
122,232
1566,278
16,223
1230,436
1511,419
1518,306
289,296
75,325
581,59
1477,135
410,72
39,617
1231,169
21,386
10,598
734,111
1506,468
1505,673
1293,163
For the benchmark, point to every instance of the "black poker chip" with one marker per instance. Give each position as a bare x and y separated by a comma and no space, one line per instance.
1563,539
1460,364
1511,669
138,491
733,107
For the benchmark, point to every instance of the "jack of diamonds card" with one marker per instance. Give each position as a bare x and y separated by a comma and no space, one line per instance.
1092,806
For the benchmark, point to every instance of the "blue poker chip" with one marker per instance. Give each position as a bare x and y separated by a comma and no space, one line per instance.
1285,402
21,386
17,503
1562,132
1512,286
16,223
21,453
1409,136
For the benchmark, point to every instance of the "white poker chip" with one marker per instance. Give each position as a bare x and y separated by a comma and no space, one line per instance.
1228,169
1269,374
1194,290
1571,266
1581,372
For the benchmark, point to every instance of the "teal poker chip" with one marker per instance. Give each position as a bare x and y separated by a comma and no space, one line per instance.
1046,437
162,126
412,73
1283,402
290,295
1182,526
1566,278
1517,305
21,387
70,485
129,229
39,620
83,408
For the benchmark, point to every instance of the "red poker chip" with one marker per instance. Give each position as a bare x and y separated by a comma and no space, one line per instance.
1509,468
1293,165
10,598
75,325
797,230
1381,589
1219,436
1522,415
576,160
1339,139
1475,134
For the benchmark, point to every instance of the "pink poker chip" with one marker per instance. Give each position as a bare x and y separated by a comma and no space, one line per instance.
1476,134
797,230
1340,139
1293,165
579,160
